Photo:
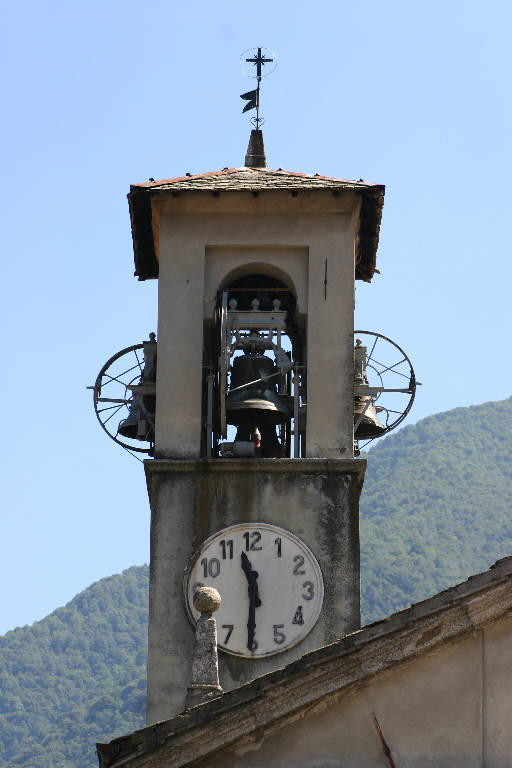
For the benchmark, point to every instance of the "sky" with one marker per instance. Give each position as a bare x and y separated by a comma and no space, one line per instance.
97,96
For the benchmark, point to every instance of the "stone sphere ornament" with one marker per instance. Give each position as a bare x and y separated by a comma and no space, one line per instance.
206,599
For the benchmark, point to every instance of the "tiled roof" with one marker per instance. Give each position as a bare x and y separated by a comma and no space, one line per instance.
252,180
240,715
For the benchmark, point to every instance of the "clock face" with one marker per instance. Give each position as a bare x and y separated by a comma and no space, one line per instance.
270,583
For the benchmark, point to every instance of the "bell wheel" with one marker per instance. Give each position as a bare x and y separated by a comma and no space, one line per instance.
117,397
384,387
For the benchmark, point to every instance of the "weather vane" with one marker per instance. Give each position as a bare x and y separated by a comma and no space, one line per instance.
252,61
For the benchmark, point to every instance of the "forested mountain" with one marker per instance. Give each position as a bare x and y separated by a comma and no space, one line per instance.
76,677
436,507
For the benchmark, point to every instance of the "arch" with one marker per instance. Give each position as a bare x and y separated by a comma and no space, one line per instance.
258,268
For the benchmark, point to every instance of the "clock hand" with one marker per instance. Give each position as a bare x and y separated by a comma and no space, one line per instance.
252,577
254,598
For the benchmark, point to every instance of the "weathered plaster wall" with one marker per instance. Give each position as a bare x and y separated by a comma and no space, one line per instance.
451,708
316,499
496,666
191,230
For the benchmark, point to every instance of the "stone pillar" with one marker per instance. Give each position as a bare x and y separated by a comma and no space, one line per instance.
205,666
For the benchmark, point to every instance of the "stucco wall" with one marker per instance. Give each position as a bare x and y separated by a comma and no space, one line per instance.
318,228
450,708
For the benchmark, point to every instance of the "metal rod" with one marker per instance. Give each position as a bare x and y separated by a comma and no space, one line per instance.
258,104
362,389
113,414
256,381
109,408
296,412
116,378
140,366
390,367
385,747
209,415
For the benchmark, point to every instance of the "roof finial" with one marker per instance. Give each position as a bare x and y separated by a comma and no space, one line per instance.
250,59
255,156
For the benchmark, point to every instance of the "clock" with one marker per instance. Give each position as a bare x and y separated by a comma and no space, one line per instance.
270,583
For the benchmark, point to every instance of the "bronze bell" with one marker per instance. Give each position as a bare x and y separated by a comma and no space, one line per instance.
253,392
370,425
253,402
365,412
138,425
135,426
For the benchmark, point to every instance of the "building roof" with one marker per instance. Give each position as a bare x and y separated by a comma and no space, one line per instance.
253,180
279,698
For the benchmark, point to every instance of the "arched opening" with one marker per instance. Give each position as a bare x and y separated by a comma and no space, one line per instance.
266,283
261,268
254,366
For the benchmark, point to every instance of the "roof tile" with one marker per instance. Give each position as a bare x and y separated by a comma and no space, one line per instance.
243,178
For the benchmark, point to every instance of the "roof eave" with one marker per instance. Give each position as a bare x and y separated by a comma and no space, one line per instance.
331,671
141,217
144,251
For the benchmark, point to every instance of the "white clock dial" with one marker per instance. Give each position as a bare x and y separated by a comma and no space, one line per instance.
270,583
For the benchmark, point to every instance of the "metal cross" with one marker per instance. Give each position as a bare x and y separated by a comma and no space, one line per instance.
259,60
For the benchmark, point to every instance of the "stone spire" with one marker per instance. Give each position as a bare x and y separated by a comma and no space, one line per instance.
255,157
205,667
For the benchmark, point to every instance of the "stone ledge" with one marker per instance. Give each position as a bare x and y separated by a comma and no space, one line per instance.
356,467
350,466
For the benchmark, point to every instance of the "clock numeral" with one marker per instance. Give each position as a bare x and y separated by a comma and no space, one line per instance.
196,586
298,618
251,545
254,646
226,545
211,567
298,569
229,628
277,542
310,590
279,637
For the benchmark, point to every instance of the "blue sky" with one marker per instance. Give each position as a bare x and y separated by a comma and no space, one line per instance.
100,95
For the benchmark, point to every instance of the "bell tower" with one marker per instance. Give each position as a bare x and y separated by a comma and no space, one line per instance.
253,483
252,397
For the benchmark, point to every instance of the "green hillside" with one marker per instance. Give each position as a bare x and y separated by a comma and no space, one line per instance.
436,505
435,508
76,677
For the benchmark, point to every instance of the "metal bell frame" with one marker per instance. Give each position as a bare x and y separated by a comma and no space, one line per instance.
232,325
